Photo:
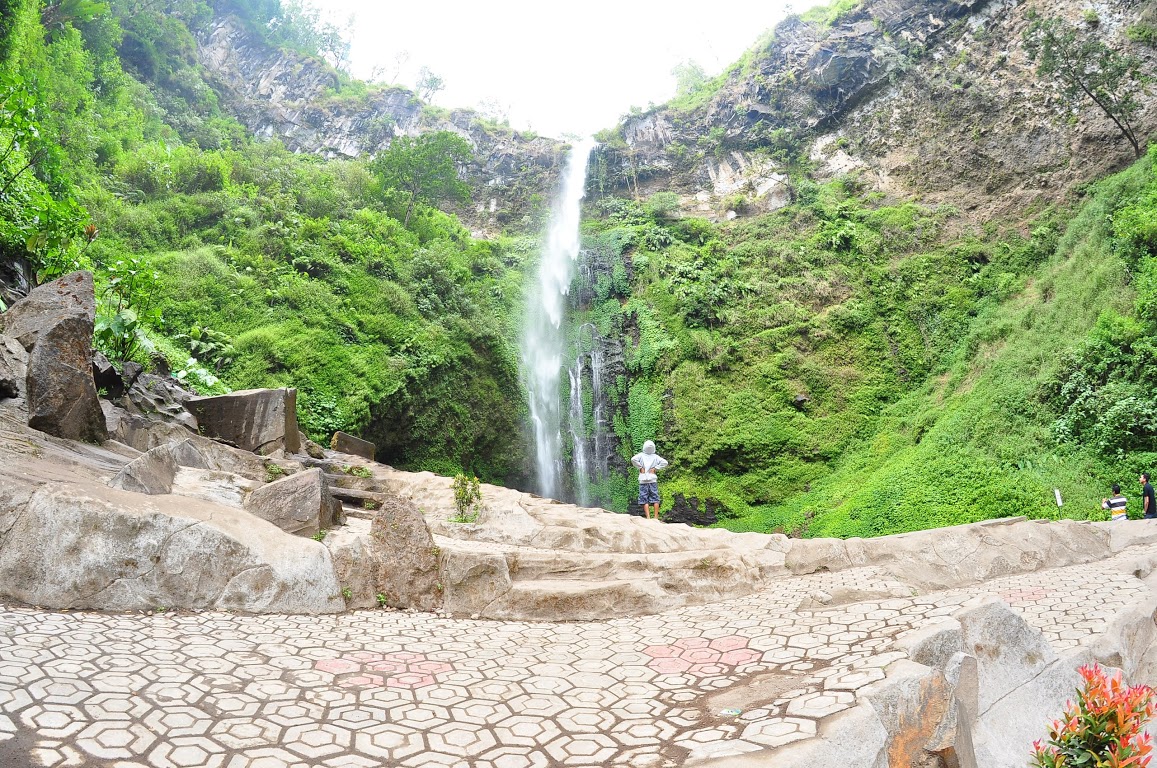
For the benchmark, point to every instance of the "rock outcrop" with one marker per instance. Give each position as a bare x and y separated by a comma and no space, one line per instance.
277,93
86,546
300,504
389,560
258,420
355,446
929,98
54,323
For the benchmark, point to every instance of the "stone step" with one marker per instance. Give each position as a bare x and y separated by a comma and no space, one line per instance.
356,496
579,600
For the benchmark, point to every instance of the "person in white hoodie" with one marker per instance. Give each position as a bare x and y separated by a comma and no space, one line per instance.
649,463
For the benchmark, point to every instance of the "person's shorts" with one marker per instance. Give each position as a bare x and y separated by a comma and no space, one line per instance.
648,493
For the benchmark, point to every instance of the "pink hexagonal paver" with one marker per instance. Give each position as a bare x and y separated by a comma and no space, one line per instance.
430,667
338,666
739,656
729,643
662,651
387,666
700,656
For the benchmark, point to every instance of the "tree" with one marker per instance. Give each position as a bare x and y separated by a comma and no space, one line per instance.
425,168
689,77
1086,67
428,84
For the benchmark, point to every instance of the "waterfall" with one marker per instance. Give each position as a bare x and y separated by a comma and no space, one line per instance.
544,339
589,452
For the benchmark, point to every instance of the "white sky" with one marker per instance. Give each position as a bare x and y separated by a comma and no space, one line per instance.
557,69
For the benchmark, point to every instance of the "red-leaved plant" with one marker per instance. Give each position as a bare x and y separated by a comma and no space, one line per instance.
1102,729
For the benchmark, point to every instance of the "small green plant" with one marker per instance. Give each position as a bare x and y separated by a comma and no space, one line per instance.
320,535
1104,728
272,472
383,601
467,498
347,593
358,471
371,504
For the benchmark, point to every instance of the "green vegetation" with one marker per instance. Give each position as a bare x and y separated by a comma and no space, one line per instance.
242,264
1086,68
467,499
847,368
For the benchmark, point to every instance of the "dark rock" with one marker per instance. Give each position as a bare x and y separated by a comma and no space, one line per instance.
140,432
13,367
800,401
159,398
300,504
687,511
131,372
636,510
106,378
344,443
55,323
258,420
15,279
71,296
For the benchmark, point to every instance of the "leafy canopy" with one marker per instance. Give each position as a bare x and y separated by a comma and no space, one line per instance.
425,168
1085,67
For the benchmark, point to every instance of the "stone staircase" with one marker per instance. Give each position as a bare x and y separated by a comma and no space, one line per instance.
527,557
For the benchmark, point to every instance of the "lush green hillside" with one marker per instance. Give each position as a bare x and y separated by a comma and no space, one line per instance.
844,367
244,265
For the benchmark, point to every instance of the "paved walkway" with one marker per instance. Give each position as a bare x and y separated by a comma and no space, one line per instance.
378,688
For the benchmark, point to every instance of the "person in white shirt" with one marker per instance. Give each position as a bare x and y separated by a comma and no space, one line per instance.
649,463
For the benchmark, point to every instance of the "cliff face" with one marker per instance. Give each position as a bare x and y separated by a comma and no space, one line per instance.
298,99
932,99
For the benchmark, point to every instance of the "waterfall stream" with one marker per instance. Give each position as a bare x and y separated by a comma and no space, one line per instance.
544,338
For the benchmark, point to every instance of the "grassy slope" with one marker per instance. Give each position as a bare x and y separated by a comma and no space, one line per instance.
927,356
975,442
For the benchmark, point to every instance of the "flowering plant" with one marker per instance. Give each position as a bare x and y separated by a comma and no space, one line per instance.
1103,728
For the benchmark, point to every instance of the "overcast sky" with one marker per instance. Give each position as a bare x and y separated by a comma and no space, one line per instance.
556,68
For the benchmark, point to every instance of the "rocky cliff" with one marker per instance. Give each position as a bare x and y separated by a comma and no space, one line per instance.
933,99
301,100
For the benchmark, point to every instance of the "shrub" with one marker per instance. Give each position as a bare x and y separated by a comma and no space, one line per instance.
1103,728
467,498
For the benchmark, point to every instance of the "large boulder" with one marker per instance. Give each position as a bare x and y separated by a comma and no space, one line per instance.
258,420
355,446
54,324
88,546
300,504
72,296
393,556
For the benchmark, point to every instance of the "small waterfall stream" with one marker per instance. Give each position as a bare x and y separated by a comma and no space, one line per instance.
544,338
590,446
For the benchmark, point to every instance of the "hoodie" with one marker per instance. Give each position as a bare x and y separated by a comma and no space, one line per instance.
650,461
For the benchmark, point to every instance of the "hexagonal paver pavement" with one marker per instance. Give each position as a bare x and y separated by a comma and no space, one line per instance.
375,688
